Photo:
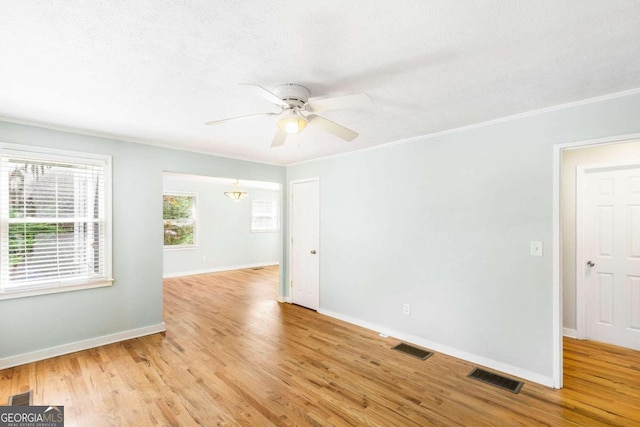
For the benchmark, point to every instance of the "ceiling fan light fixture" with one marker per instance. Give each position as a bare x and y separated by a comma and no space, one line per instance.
237,193
297,111
293,124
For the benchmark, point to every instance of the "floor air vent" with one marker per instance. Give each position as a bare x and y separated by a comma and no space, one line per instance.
496,380
413,351
22,399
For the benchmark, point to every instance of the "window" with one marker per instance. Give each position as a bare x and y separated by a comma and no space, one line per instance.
178,213
264,214
54,221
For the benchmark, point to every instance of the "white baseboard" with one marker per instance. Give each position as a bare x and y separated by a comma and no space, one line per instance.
21,359
282,298
218,269
469,357
571,333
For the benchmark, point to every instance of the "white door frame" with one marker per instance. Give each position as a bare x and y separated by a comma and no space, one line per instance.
557,325
581,300
289,213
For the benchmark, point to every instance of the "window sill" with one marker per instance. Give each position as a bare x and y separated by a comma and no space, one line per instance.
180,248
21,293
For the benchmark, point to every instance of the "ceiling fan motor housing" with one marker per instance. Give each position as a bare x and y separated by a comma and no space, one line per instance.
294,95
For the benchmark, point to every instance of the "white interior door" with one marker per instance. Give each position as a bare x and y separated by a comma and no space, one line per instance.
611,255
305,238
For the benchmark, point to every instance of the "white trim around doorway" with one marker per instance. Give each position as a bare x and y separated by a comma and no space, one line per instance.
557,323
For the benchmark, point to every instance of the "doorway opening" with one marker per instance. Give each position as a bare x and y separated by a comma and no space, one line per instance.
570,160
206,231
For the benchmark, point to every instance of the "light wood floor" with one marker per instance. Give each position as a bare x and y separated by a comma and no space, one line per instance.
232,355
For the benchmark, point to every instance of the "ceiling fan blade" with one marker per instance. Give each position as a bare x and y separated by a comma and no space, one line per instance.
279,138
216,122
358,100
270,96
332,127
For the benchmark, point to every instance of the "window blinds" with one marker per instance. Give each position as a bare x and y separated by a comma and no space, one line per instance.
52,217
263,215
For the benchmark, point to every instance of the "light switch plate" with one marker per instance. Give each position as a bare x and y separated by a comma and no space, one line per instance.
536,248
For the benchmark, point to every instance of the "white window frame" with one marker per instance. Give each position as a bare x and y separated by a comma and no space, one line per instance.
275,214
194,214
63,156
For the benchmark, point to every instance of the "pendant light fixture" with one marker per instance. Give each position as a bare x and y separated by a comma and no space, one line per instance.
237,193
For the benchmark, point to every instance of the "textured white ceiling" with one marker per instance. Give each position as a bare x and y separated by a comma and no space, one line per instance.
154,71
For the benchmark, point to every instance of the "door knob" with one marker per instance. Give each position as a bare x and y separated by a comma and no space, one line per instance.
590,264
313,252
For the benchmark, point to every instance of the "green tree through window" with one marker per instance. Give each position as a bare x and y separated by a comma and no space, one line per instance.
178,213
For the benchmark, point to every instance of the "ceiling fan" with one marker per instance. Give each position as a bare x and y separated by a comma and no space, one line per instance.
297,111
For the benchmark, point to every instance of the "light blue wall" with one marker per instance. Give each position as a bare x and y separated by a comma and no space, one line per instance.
441,223
445,224
223,228
135,299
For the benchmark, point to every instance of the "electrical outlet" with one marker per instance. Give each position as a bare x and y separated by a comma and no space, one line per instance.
204,258
406,309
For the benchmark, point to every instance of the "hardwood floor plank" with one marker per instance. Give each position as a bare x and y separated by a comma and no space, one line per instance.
232,355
